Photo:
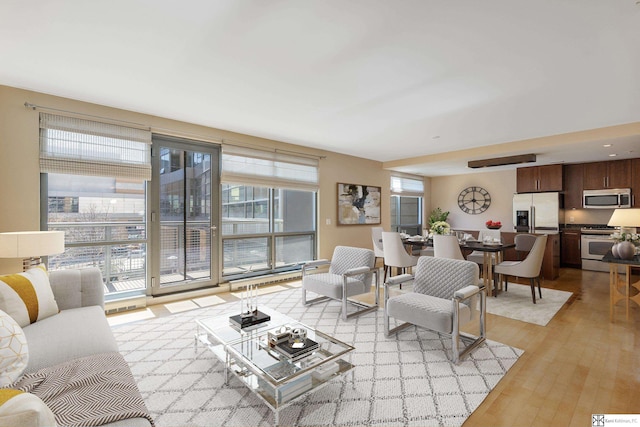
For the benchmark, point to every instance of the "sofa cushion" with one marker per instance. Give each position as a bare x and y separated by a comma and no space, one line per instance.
14,353
27,296
68,335
330,285
427,311
22,409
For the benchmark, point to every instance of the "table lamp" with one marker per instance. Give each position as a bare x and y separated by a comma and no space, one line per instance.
31,245
626,219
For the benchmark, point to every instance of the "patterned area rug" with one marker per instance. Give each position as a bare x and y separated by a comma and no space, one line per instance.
399,381
516,304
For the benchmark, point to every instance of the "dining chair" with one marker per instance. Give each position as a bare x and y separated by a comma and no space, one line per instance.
528,268
524,243
395,254
351,272
446,246
376,237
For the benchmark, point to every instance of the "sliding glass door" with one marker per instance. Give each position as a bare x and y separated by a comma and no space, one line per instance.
184,217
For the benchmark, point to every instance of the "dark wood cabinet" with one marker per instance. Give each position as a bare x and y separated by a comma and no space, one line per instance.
551,262
539,178
573,176
603,175
635,183
570,249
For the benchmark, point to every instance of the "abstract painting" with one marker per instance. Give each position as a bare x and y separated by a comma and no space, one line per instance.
358,204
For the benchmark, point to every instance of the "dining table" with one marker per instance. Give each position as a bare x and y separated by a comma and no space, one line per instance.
493,253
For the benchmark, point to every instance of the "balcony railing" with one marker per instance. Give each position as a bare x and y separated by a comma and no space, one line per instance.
118,249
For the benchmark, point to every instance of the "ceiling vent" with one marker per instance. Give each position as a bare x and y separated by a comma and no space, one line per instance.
502,161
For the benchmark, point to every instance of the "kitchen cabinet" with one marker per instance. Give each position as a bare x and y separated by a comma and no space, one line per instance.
635,183
573,176
603,175
539,178
570,249
551,261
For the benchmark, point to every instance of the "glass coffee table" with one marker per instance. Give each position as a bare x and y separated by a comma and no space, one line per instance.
276,373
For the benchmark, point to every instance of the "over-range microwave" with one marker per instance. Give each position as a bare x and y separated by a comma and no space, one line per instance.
606,199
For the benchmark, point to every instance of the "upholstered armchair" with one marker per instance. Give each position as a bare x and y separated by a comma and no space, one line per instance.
351,272
444,299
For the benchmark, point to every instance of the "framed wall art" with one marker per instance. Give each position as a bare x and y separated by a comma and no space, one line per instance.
358,204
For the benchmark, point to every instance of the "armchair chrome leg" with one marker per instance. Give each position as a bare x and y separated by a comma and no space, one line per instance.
397,329
315,300
455,334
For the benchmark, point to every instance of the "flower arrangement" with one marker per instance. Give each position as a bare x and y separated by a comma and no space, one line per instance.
437,215
626,237
440,227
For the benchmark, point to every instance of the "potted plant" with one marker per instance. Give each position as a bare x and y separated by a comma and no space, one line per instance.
437,215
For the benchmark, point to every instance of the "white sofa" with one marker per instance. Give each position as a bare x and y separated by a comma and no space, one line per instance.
79,329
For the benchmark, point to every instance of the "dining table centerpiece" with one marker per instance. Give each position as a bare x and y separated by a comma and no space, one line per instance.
441,227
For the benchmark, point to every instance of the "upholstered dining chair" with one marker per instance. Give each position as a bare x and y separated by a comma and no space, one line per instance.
376,238
446,246
524,243
395,254
528,268
351,272
444,298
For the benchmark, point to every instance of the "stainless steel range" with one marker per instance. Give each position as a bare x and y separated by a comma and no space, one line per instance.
595,242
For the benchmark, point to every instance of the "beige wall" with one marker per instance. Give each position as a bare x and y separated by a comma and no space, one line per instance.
500,185
19,166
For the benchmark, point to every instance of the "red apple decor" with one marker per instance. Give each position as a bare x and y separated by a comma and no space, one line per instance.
493,225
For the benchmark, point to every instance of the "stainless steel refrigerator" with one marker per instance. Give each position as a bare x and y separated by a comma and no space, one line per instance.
536,212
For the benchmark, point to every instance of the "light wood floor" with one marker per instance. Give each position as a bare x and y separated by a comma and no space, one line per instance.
577,365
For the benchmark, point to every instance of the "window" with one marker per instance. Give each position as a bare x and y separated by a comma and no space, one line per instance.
93,182
406,204
266,229
269,218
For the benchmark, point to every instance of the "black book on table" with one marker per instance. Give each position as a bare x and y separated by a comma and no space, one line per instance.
285,349
255,319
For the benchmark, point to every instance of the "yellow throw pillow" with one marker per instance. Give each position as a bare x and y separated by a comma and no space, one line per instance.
27,297
24,409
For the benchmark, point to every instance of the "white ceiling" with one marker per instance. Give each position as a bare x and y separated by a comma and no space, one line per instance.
371,78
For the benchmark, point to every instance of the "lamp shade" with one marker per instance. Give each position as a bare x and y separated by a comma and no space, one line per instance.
25,244
625,218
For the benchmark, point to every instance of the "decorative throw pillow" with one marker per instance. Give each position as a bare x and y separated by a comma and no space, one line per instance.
27,296
24,409
14,353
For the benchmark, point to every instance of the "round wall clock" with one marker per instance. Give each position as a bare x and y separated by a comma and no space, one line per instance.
474,200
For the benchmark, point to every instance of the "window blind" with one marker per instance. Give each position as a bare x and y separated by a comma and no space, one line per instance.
71,145
404,186
245,165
